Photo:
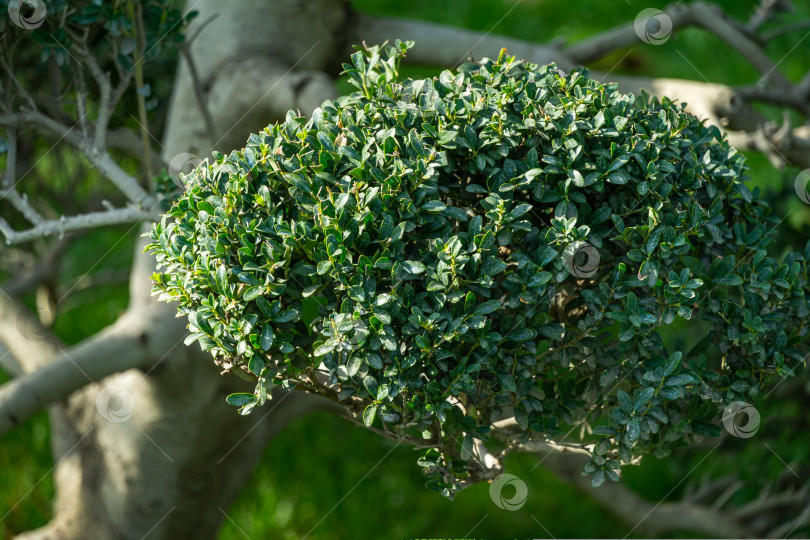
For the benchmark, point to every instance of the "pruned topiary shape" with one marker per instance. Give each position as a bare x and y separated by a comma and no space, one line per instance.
505,240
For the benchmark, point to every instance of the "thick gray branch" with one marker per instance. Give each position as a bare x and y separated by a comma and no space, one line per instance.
707,16
8,362
438,44
32,345
136,340
625,35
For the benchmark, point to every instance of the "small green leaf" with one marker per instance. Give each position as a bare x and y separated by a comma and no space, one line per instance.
487,307
241,399
434,206
672,363
414,267
252,293
267,338
624,401
369,413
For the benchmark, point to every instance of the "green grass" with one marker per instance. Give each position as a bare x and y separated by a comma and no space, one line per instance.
325,478
26,487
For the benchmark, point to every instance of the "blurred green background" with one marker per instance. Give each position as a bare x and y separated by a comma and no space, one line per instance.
324,478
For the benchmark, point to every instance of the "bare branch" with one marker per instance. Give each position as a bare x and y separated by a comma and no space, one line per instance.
109,352
139,339
115,216
438,44
650,517
23,335
704,15
102,79
43,269
9,363
190,39
786,98
711,18
780,145
102,160
13,78
20,202
798,25
767,10
604,43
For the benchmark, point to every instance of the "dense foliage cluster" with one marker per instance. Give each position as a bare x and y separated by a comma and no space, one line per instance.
59,26
502,240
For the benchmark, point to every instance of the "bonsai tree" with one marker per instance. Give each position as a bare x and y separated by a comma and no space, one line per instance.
490,260
102,103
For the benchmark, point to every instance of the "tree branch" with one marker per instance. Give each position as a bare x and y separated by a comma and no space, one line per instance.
109,352
44,268
22,334
604,43
139,339
709,17
100,159
104,218
438,44
721,105
9,363
653,518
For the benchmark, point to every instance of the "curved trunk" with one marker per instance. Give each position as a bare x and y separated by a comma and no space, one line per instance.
157,453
